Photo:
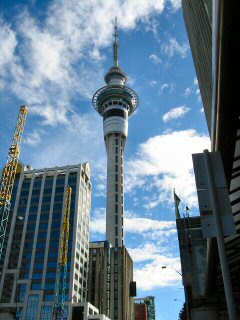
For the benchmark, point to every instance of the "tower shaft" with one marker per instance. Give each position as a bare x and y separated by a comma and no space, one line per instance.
115,145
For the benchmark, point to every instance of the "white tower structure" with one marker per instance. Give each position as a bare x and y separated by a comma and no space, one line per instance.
115,103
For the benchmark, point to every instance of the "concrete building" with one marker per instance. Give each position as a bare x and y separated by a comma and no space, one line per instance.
193,251
83,310
115,103
28,277
86,311
144,308
198,19
140,311
110,279
222,115
99,276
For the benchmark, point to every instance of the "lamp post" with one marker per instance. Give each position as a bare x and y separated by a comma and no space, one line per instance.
178,300
165,267
186,299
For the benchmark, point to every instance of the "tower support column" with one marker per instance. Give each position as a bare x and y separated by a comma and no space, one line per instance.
115,145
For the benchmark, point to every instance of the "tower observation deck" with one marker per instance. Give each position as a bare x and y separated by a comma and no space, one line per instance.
115,103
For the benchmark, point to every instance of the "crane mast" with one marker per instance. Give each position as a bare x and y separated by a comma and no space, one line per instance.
58,309
9,173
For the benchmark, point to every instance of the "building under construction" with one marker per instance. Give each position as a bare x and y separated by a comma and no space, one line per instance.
30,266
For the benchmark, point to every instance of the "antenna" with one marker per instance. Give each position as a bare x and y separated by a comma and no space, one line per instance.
115,45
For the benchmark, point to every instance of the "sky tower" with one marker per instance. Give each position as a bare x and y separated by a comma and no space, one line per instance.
115,102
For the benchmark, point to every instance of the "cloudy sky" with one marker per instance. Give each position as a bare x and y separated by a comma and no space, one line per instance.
54,55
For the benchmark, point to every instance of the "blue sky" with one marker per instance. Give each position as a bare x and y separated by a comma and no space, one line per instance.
54,55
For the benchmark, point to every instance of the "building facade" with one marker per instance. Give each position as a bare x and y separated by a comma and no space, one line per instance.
28,278
99,276
212,29
110,279
198,19
144,308
140,311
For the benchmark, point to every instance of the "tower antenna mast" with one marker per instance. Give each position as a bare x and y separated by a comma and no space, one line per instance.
115,45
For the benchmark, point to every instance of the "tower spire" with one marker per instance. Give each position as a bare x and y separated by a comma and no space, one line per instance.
115,45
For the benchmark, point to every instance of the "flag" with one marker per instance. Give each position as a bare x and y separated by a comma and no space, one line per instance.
176,201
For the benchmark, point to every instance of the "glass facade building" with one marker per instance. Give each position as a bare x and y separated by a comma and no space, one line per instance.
28,271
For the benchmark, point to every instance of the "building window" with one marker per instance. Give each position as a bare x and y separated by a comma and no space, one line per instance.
116,208
116,219
46,313
116,168
19,313
20,292
116,187
116,197
116,178
32,307
116,231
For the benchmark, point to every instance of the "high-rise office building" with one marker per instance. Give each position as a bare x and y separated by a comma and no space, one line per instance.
198,19
99,276
110,280
28,278
115,103
213,29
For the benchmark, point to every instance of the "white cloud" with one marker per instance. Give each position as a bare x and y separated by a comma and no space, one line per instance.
33,138
170,87
44,66
8,43
143,253
164,86
140,225
132,224
155,59
153,83
187,92
151,275
98,223
195,81
172,47
164,162
175,113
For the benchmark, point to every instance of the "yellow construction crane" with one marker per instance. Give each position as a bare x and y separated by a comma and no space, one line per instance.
9,173
58,309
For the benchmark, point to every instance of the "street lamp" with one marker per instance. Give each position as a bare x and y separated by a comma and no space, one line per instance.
165,267
178,300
